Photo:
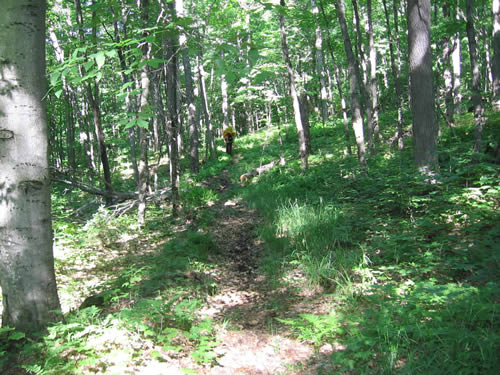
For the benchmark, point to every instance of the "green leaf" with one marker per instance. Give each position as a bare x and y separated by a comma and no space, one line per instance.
89,64
142,123
100,58
126,85
111,53
155,63
17,336
131,124
150,39
55,78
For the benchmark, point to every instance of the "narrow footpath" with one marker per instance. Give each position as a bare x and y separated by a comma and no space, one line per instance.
254,342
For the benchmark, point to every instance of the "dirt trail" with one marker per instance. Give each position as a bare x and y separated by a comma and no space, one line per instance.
253,343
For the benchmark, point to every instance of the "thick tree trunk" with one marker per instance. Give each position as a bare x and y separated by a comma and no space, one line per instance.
27,277
421,86
357,118
479,119
496,54
303,153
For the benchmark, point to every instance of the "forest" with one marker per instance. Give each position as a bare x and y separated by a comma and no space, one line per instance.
349,224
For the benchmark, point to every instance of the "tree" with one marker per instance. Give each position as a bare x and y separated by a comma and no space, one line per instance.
496,51
190,95
421,85
173,123
395,68
372,74
143,167
357,118
319,64
27,278
303,152
476,83
93,99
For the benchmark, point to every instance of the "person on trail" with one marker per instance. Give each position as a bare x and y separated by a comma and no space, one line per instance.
228,135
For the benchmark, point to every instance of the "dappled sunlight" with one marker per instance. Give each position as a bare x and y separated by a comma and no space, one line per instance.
335,270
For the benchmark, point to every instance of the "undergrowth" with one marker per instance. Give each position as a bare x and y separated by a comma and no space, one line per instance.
412,267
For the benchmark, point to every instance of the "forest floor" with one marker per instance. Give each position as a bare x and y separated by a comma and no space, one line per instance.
255,343
244,306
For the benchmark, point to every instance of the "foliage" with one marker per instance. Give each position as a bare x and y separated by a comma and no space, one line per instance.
412,265
10,339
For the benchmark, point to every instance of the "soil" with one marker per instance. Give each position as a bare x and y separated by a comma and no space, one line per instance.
246,307
256,343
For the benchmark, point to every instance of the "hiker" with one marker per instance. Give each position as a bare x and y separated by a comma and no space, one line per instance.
228,135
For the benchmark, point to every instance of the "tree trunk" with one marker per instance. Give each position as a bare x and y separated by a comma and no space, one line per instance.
372,74
143,127
496,54
357,118
360,65
209,136
319,66
128,103
93,99
27,277
173,125
223,89
395,67
457,71
191,107
479,119
421,86
337,81
303,154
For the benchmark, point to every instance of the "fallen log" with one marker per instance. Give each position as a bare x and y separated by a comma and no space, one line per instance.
115,195
245,177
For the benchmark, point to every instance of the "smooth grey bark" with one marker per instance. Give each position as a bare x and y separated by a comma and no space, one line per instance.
496,54
357,118
303,153
27,278
479,119
421,86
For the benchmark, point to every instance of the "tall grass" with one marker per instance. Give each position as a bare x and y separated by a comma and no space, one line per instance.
414,265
